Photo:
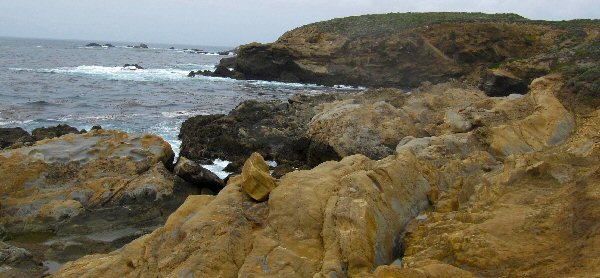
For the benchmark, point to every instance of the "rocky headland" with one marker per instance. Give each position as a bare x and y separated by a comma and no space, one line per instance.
487,166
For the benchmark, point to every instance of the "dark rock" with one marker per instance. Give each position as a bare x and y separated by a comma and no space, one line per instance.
141,45
109,45
195,174
82,131
275,129
172,48
133,66
52,132
93,44
191,74
281,170
499,84
96,127
11,136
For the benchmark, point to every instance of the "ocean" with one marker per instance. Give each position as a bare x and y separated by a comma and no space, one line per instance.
51,82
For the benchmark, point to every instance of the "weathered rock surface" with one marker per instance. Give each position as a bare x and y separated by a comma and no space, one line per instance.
81,193
445,202
256,179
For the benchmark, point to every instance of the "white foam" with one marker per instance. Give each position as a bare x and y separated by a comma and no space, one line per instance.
175,114
119,73
272,163
217,168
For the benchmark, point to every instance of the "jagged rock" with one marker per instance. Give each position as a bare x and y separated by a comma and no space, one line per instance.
93,44
12,136
256,179
141,45
52,132
96,127
197,175
109,45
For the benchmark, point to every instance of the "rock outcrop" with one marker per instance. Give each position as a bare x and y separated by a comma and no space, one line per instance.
53,131
502,53
447,201
83,193
13,136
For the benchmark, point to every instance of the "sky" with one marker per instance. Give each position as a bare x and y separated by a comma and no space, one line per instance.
234,22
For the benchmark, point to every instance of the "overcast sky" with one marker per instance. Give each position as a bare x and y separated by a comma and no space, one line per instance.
233,22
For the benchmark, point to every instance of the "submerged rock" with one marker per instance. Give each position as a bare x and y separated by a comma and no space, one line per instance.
132,66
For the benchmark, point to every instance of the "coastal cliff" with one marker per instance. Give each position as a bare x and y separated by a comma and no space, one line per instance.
500,53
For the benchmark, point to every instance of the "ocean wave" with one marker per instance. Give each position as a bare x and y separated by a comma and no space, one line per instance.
117,73
175,114
218,167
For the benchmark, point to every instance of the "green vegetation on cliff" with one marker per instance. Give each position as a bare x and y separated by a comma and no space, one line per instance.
380,24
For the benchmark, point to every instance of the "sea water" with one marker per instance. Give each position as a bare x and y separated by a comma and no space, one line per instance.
50,82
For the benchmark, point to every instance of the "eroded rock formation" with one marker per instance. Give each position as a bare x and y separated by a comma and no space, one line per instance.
448,202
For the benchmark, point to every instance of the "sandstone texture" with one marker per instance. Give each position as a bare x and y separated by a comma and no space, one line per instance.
256,179
66,197
448,201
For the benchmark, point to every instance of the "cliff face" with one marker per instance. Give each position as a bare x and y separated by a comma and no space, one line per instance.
403,50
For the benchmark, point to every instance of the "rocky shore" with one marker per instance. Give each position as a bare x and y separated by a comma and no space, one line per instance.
490,172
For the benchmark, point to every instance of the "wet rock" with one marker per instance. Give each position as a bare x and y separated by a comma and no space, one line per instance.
12,136
197,175
52,132
132,66
172,48
93,44
256,179
96,127
141,45
109,45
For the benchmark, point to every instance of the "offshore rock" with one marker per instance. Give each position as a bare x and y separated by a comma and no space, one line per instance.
52,132
12,136
256,179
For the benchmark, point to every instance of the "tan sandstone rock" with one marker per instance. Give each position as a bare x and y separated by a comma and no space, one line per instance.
256,179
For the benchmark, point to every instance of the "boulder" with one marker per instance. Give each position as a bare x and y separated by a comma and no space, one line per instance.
197,175
12,136
256,180
53,131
